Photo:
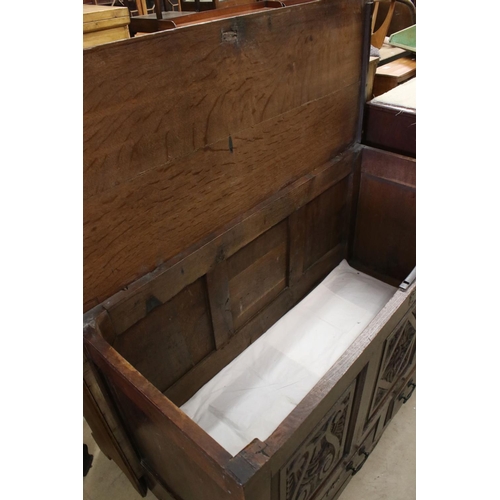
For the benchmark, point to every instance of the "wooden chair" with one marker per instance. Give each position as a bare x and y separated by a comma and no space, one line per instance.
161,5
377,38
135,7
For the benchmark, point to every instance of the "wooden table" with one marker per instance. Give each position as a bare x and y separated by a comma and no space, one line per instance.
393,74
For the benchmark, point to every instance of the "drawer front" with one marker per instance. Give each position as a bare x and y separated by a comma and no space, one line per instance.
399,357
318,461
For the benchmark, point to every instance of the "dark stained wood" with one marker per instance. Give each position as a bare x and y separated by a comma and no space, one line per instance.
180,392
104,326
154,208
390,128
390,167
385,237
252,278
236,9
325,222
301,421
172,445
319,226
107,429
105,438
90,304
157,486
385,233
377,333
353,203
172,339
144,124
396,358
197,6
259,462
402,396
129,306
289,3
297,230
170,20
304,474
155,157
258,273
256,481
220,303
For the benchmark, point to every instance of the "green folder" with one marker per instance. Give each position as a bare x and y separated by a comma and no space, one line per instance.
406,39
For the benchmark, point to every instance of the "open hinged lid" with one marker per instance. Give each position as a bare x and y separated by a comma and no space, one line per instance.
241,104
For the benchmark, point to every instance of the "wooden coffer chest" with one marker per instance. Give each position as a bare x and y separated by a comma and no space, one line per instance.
224,178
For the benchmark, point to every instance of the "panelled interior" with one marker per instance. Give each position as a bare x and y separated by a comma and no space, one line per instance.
258,273
324,220
177,347
174,337
385,233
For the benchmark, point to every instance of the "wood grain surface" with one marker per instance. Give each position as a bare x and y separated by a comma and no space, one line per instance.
385,236
175,147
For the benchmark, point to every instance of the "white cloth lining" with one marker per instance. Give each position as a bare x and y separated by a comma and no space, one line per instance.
254,393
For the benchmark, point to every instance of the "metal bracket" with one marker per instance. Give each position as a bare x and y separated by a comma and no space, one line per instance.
409,279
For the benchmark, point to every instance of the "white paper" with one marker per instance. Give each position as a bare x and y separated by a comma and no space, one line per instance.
252,395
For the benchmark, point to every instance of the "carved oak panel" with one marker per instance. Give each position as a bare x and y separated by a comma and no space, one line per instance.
313,465
399,353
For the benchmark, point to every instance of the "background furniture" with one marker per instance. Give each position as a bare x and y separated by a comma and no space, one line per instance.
390,120
103,24
395,65
390,75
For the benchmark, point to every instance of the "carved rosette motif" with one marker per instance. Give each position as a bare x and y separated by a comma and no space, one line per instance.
322,451
398,355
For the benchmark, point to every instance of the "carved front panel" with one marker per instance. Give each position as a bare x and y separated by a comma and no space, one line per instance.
319,455
398,355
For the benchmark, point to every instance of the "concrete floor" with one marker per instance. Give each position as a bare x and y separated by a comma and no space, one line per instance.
389,472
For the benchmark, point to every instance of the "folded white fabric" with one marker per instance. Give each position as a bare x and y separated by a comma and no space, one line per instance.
252,395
